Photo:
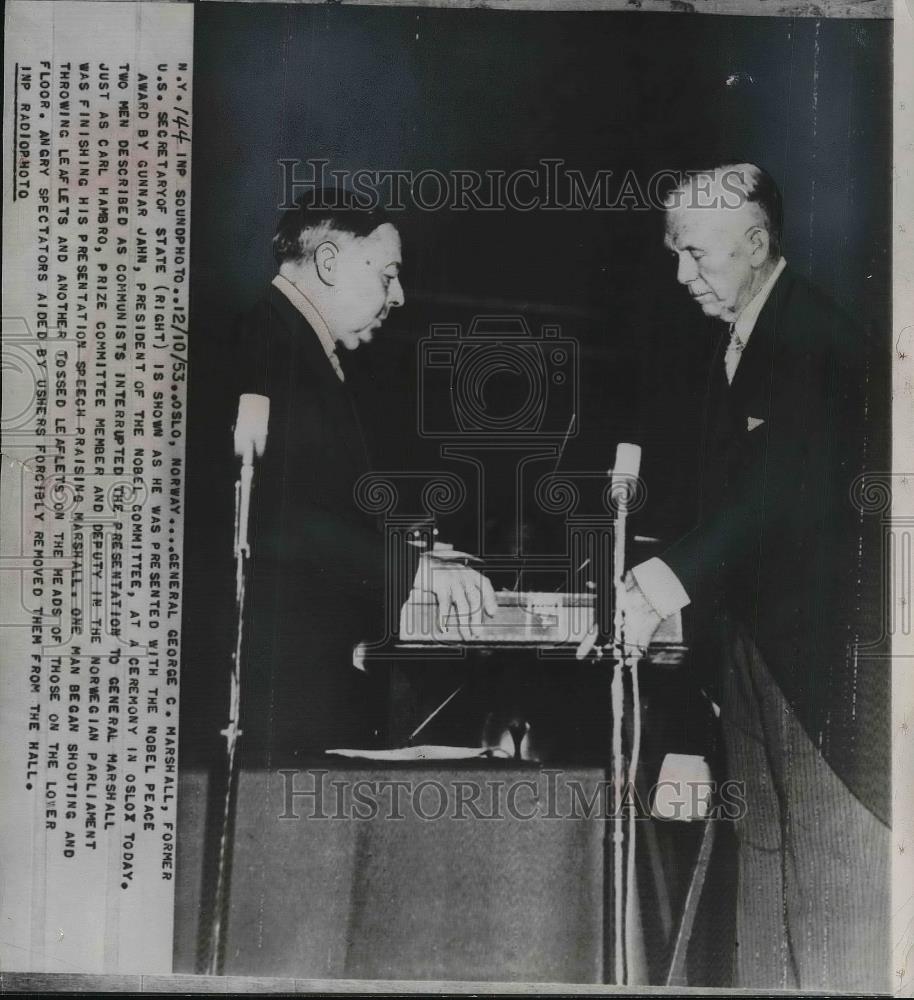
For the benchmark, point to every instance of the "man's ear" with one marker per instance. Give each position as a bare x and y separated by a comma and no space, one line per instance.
759,245
325,257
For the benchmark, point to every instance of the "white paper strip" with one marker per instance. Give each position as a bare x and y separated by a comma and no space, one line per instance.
96,229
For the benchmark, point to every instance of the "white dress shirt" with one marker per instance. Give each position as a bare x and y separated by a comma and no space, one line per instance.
745,322
317,322
657,581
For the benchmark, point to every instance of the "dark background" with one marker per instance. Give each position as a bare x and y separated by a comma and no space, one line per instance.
480,89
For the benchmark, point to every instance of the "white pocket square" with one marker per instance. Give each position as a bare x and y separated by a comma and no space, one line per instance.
753,422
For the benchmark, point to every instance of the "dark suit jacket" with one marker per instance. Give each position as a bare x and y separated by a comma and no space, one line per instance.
317,581
777,547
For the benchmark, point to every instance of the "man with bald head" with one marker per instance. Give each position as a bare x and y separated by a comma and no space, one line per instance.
772,568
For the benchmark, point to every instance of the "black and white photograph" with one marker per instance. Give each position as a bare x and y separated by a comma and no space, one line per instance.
459,519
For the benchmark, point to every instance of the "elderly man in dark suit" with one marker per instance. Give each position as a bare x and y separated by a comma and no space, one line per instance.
771,567
318,575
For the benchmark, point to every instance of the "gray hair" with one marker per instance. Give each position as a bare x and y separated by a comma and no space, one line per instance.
740,184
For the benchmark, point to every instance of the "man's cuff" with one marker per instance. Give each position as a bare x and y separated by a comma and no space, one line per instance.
661,587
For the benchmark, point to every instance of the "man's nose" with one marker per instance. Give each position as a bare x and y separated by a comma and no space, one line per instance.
686,269
395,296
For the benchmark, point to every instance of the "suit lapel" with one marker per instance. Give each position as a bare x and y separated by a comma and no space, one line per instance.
730,405
335,394
750,385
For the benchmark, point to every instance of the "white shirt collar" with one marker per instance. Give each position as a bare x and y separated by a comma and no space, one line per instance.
745,322
317,322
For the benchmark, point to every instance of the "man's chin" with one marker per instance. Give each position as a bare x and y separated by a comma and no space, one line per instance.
716,309
352,340
712,308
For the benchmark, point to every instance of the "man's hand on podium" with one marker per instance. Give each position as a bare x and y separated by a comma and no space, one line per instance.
640,620
639,623
446,573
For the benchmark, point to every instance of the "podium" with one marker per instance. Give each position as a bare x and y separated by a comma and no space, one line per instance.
517,897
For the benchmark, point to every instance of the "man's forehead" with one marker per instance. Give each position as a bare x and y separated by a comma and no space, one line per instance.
384,244
682,224
694,225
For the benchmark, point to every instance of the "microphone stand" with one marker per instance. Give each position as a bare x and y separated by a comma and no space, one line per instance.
250,437
628,461
631,658
617,691
232,730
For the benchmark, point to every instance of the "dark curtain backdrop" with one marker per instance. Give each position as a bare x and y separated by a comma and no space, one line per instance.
411,89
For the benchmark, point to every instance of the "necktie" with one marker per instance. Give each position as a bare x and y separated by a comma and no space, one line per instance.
734,350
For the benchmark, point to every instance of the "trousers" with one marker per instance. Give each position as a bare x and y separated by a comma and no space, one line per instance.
813,867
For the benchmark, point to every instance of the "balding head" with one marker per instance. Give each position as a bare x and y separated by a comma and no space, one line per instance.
345,258
724,227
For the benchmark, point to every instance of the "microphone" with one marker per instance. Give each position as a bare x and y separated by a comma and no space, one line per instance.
250,440
251,426
626,467
623,473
